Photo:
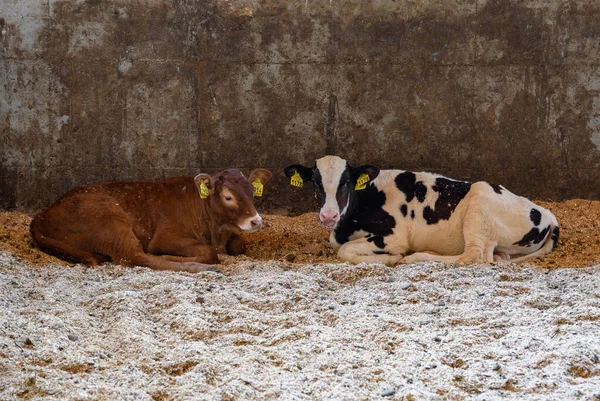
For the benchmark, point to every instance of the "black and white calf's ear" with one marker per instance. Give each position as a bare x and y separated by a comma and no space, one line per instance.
298,174
363,174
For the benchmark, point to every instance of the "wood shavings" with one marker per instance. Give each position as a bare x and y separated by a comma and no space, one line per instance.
301,239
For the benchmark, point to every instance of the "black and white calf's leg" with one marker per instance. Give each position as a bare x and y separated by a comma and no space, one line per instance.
480,234
363,250
474,256
474,253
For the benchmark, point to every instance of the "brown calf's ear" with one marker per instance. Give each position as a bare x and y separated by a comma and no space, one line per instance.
262,174
203,177
204,184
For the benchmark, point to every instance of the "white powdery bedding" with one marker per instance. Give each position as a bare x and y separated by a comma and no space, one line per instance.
321,332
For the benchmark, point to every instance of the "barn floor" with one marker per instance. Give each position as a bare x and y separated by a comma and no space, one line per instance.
286,322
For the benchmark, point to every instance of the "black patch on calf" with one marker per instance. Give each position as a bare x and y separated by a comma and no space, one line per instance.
378,252
450,194
534,236
366,213
318,184
555,235
535,216
420,191
497,188
404,210
430,216
407,183
377,240
343,189
412,214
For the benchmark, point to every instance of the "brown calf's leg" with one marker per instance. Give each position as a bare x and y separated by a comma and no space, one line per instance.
176,245
126,249
160,263
236,245
185,259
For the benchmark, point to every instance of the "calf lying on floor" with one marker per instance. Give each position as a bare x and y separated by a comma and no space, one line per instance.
380,216
175,224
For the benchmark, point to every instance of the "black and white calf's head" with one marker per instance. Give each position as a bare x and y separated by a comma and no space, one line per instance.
335,183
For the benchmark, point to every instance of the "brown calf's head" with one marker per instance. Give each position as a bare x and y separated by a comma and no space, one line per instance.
230,197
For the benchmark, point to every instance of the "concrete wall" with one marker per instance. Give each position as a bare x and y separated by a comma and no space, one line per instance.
506,91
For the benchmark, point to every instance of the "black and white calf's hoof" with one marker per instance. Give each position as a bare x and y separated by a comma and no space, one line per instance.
501,257
416,257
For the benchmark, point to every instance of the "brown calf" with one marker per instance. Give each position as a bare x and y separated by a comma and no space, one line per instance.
165,225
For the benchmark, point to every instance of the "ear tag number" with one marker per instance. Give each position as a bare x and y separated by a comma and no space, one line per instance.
203,190
361,183
258,187
296,180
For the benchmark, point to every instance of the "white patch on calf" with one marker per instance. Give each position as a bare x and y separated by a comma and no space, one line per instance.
331,169
252,224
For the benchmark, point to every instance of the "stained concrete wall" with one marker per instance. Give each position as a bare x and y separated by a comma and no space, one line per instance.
90,90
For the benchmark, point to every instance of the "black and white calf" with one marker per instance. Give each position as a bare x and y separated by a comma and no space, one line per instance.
383,215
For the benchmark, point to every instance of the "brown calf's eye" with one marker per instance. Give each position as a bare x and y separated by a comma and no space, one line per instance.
228,198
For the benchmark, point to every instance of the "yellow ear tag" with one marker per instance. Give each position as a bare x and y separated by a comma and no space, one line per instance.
296,180
203,190
361,183
258,187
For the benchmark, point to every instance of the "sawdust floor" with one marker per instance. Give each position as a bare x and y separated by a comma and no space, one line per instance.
301,239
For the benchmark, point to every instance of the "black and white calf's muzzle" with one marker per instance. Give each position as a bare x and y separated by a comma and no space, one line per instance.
329,218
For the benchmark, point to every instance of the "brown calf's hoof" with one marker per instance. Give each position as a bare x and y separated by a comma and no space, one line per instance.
214,269
193,267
